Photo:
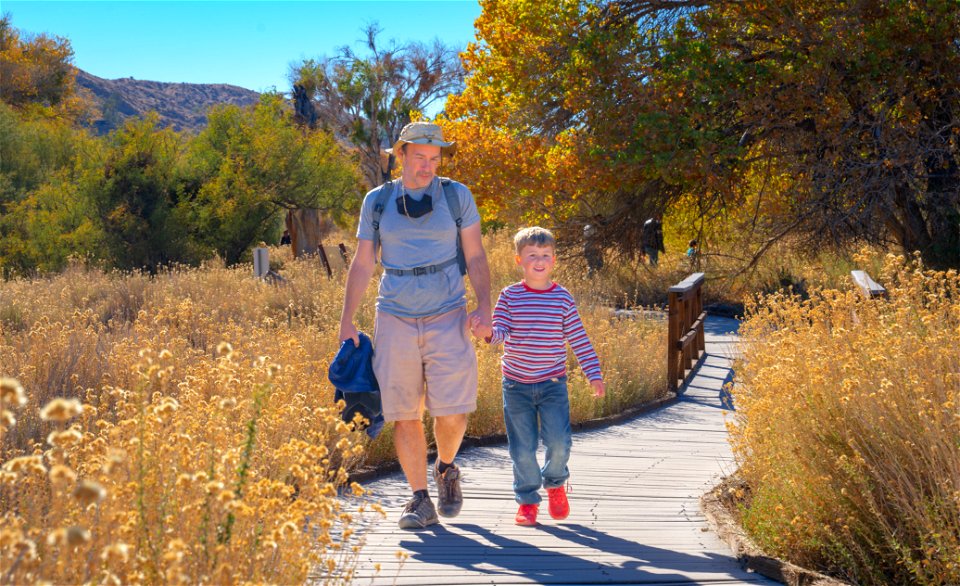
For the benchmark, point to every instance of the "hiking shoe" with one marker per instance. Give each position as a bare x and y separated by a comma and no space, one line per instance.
449,496
418,513
559,506
527,515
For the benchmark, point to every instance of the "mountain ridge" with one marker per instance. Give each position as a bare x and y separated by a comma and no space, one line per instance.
180,106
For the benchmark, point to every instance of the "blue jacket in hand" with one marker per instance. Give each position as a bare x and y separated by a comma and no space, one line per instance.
351,373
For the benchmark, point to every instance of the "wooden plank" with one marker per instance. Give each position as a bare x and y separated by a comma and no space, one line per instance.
635,516
867,286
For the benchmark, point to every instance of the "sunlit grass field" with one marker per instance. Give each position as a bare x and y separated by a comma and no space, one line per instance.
180,427
847,428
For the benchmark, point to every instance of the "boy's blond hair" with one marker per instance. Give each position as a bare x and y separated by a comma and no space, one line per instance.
534,236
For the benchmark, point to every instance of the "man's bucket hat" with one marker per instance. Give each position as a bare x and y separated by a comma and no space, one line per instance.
423,133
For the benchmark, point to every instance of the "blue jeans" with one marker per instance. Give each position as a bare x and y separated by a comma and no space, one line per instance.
532,411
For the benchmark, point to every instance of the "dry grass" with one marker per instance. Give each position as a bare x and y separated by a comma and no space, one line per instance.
207,447
847,428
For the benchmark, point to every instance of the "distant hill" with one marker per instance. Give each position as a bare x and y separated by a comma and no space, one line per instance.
181,106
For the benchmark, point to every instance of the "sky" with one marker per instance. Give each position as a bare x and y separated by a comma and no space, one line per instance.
249,44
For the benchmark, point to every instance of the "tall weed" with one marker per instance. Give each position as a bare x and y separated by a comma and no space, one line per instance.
847,428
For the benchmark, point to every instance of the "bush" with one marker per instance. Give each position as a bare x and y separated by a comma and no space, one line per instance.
847,428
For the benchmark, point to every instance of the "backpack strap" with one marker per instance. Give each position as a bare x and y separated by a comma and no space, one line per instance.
453,202
378,206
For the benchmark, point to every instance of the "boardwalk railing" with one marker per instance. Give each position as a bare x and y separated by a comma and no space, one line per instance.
867,286
685,339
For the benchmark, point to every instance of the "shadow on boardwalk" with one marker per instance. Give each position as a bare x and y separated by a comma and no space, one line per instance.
635,513
494,554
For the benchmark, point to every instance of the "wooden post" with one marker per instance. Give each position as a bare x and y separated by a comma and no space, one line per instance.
323,259
261,262
673,338
685,337
343,254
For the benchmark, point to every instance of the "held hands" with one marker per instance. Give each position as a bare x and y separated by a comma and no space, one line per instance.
480,324
599,389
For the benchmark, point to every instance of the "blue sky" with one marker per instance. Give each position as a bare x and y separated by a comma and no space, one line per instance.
249,44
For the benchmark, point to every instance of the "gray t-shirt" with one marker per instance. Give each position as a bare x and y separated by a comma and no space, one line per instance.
418,242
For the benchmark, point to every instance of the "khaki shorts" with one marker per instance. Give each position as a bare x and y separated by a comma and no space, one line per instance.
434,351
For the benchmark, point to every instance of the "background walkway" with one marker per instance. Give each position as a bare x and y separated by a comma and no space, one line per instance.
635,515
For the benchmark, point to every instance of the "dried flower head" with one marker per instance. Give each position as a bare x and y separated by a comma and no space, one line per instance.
224,349
65,439
89,492
165,354
61,409
116,553
228,403
27,549
12,392
7,420
25,464
115,459
57,537
77,536
62,474
167,407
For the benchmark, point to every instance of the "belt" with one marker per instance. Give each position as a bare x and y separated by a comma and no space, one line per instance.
417,271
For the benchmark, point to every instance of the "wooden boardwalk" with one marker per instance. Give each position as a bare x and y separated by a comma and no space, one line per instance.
635,515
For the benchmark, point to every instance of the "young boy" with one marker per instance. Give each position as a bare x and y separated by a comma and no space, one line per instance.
535,319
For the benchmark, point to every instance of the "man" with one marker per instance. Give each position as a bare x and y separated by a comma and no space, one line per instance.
651,237
423,355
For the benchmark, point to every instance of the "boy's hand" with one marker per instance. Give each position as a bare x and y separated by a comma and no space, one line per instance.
480,324
599,389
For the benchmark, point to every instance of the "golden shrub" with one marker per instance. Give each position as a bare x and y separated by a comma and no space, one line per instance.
847,428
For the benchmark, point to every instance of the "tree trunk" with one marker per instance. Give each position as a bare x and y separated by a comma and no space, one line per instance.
307,227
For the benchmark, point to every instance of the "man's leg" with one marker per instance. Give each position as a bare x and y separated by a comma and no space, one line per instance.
449,430
411,446
450,367
396,364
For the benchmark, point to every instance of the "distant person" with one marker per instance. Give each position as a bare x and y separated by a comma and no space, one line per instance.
285,240
592,251
693,253
651,238
535,319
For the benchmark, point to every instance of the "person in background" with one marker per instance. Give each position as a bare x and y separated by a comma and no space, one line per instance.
651,238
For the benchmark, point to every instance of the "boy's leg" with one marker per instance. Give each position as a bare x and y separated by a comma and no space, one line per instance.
520,417
554,408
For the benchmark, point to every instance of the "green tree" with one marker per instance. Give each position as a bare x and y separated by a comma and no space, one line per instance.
367,99
251,165
135,191
42,218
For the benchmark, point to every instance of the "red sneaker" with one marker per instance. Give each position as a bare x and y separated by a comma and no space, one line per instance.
527,515
559,506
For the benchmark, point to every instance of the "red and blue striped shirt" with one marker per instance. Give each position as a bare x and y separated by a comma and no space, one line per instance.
534,327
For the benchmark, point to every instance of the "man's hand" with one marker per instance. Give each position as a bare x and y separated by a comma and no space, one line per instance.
481,324
348,331
599,389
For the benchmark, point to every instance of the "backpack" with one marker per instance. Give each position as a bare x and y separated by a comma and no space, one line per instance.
453,203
